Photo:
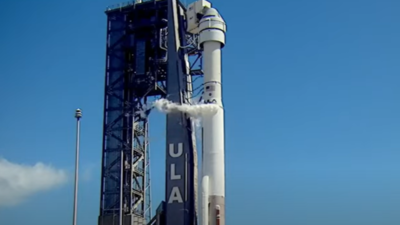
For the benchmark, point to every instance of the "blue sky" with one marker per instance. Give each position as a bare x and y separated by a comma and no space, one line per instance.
311,93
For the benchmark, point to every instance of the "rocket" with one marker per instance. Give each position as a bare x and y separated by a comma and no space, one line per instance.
212,30
205,21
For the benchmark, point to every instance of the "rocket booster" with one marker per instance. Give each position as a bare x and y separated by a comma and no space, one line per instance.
212,30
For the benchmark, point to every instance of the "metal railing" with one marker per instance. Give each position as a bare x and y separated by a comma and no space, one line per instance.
125,4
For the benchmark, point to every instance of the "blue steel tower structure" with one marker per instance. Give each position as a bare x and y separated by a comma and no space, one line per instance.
147,57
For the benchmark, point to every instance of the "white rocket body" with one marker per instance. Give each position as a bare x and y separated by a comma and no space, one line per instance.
211,39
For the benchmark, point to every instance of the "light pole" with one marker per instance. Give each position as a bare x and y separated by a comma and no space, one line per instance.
78,116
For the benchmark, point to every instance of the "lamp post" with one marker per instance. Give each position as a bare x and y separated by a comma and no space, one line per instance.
78,116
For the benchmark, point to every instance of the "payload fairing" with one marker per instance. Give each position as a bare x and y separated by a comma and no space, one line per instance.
211,28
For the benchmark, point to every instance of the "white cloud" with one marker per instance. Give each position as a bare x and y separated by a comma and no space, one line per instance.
19,181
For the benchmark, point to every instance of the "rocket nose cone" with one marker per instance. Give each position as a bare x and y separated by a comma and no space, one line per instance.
213,15
211,12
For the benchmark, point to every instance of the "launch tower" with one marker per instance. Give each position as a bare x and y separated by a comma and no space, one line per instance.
152,49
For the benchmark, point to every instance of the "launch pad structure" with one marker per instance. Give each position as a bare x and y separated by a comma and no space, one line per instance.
153,51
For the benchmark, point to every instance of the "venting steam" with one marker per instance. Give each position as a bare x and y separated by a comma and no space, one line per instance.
196,110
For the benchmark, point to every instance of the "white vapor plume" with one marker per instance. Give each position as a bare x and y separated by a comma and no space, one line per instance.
195,110
18,181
